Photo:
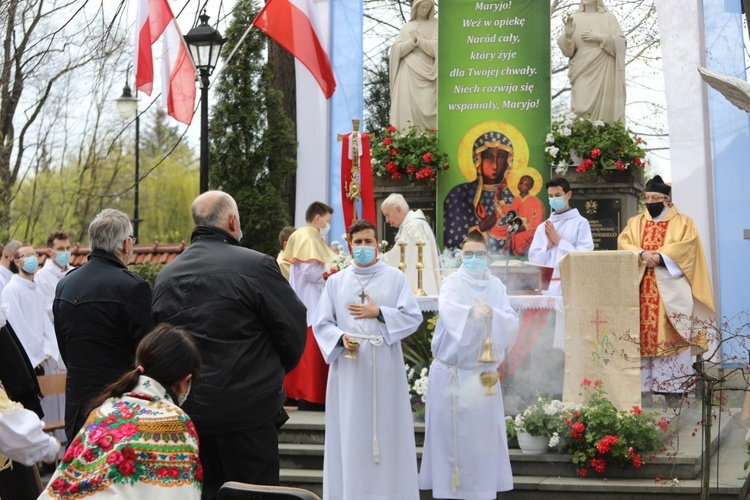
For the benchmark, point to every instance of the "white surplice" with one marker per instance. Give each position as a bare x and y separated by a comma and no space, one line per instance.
5,276
466,449
47,279
575,236
24,307
21,436
370,452
415,228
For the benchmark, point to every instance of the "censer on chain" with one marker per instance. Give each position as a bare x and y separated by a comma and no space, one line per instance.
488,378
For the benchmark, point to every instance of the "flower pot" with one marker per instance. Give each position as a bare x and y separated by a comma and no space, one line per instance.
532,445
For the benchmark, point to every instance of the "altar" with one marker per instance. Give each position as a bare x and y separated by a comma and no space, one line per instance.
534,363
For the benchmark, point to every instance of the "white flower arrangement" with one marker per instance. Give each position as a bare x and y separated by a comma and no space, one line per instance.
337,263
417,383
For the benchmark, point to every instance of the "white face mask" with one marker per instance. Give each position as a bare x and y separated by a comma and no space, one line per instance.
181,399
324,230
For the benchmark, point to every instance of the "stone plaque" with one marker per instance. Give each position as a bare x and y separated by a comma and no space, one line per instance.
604,216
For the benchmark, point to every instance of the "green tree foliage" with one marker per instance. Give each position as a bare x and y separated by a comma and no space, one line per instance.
252,142
67,194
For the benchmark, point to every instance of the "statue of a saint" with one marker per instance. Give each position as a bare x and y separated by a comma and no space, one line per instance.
594,42
413,69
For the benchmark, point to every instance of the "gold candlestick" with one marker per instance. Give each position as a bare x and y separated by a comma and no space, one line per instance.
420,268
402,263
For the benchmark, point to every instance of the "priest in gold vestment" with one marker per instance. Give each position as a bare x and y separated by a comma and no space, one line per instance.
675,291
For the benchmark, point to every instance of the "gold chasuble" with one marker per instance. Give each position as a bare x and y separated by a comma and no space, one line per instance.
674,311
306,245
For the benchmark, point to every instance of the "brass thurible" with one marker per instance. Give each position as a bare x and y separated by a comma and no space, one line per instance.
488,378
420,269
402,262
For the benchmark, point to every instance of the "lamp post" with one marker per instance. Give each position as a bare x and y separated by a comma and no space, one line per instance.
127,105
204,43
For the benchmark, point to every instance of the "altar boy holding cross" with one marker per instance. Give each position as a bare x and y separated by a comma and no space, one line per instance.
363,314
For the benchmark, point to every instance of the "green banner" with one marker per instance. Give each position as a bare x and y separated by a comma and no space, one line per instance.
493,117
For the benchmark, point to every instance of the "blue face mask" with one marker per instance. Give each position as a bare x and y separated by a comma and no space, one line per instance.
239,238
363,255
30,264
557,204
62,258
475,265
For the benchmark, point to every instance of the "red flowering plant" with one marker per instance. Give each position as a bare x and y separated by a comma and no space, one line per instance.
593,147
408,153
598,436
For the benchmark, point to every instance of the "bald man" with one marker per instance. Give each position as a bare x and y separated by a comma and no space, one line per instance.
251,331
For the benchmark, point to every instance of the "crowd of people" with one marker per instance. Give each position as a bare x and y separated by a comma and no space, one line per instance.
226,340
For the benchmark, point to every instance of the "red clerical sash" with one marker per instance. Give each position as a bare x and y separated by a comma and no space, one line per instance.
652,239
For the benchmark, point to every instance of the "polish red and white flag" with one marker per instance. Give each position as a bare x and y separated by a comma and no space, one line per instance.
288,23
154,18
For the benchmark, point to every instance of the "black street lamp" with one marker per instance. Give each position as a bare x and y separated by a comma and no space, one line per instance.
204,43
127,105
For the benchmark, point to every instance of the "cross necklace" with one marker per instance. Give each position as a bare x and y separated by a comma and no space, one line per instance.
362,296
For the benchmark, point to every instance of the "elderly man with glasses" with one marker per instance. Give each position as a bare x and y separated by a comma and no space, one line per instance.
101,311
675,292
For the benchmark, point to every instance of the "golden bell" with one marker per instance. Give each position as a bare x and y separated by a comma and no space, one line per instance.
487,356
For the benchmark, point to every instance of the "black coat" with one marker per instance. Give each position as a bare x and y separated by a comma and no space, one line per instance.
16,373
101,312
248,322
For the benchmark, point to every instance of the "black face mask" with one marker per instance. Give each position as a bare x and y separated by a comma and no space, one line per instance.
13,267
655,208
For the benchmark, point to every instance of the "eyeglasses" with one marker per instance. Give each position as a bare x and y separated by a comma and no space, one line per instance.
654,199
21,257
469,255
133,238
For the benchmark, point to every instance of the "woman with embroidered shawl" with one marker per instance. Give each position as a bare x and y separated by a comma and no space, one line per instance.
465,448
137,443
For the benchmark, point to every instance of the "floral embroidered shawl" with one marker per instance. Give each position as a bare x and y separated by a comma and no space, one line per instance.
140,445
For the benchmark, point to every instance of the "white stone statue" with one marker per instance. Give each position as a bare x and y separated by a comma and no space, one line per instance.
413,69
594,42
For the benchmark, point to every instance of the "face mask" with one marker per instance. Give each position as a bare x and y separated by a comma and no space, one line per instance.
62,258
655,208
324,230
364,254
30,264
181,399
239,238
557,204
475,265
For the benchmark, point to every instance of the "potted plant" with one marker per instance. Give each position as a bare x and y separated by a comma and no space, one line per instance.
408,154
538,426
594,148
598,436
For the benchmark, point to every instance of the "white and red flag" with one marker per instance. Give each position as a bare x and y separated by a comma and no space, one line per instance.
288,23
154,18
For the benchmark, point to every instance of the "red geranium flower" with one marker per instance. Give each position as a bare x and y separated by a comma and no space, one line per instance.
585,166
599,465
394,152
637,462
637,410
427,157
606,443
638,139
582,472
387,141
663,424
396,175
411,169
391,129
576,431
596,153
586,382
619,165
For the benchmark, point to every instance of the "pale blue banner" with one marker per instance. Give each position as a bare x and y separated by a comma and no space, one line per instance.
730,141
347,103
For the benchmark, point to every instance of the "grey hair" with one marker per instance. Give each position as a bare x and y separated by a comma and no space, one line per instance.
10,248
109,230
212,209
395,200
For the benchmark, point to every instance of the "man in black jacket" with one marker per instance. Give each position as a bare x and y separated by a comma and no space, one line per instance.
101,312
251,330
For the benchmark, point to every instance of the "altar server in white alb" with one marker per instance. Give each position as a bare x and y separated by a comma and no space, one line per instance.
565,231
466,449
365,311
